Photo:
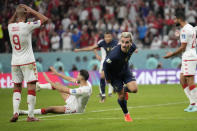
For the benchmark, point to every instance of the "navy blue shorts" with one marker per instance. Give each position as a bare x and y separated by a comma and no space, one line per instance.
124,77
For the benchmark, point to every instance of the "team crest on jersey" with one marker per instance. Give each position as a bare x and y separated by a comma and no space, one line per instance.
74,91
183,36
35,22
108,61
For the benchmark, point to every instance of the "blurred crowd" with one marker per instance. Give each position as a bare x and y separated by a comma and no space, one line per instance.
80,23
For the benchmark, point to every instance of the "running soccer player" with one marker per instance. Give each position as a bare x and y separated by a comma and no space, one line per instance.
189,59
117,71
23,61
106,46
76,99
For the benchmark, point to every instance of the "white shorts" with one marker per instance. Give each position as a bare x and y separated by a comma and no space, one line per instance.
188,67
69,109
71,105
27,72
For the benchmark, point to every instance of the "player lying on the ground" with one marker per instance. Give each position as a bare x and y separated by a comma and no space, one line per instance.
76,99
189,59
118,73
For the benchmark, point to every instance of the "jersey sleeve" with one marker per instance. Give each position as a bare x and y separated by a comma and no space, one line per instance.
183,37
100,43
34,25
80,91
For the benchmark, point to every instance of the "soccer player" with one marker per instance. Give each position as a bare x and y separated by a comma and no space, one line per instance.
117,71
106,46
23,61
76,99
189,59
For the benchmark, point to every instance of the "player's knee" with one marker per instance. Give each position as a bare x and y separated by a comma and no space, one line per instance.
121,97
135,90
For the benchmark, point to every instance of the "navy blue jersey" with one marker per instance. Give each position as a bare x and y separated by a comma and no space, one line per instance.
117,61
108,47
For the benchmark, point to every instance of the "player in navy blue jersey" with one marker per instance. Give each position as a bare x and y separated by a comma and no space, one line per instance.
117,72
106,46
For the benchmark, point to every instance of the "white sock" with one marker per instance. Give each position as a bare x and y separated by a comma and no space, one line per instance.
31,100
37,111
193,93
23,112
16,101
46,86
110,89
188,94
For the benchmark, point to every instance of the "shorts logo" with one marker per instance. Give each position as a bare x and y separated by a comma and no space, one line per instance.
108,61
74,91
183,36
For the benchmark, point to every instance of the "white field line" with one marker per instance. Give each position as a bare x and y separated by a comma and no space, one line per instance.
112,109
118,118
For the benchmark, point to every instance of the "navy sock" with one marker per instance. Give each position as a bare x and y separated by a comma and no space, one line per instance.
126,89
123,105
102,85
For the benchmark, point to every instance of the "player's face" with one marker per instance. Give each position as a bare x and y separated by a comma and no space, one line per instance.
125,43
79,78
176,21
108,38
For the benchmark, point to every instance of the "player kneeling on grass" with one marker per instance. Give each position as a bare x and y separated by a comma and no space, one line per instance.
76,99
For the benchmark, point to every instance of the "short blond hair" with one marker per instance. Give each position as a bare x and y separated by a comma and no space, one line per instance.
127,35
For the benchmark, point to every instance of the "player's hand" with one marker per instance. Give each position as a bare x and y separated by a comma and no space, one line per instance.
136,51
28,9
46,77
53,70
168,55
76,50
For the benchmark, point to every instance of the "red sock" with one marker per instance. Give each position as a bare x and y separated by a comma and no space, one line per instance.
192,87
17,90
32,92
53,88
43,111
184,86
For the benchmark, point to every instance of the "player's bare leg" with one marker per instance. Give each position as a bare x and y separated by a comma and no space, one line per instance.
123,104
31,100
16,101
130,87
186,89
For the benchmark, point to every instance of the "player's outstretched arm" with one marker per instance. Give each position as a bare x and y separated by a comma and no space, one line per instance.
179,50
89,48
12,19
57,86
35,13
97,55
68,78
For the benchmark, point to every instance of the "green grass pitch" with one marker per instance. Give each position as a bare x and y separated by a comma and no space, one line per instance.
153,108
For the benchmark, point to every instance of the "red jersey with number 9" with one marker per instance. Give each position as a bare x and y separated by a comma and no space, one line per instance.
20,38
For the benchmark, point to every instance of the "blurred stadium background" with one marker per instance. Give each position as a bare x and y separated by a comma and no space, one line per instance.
81,23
